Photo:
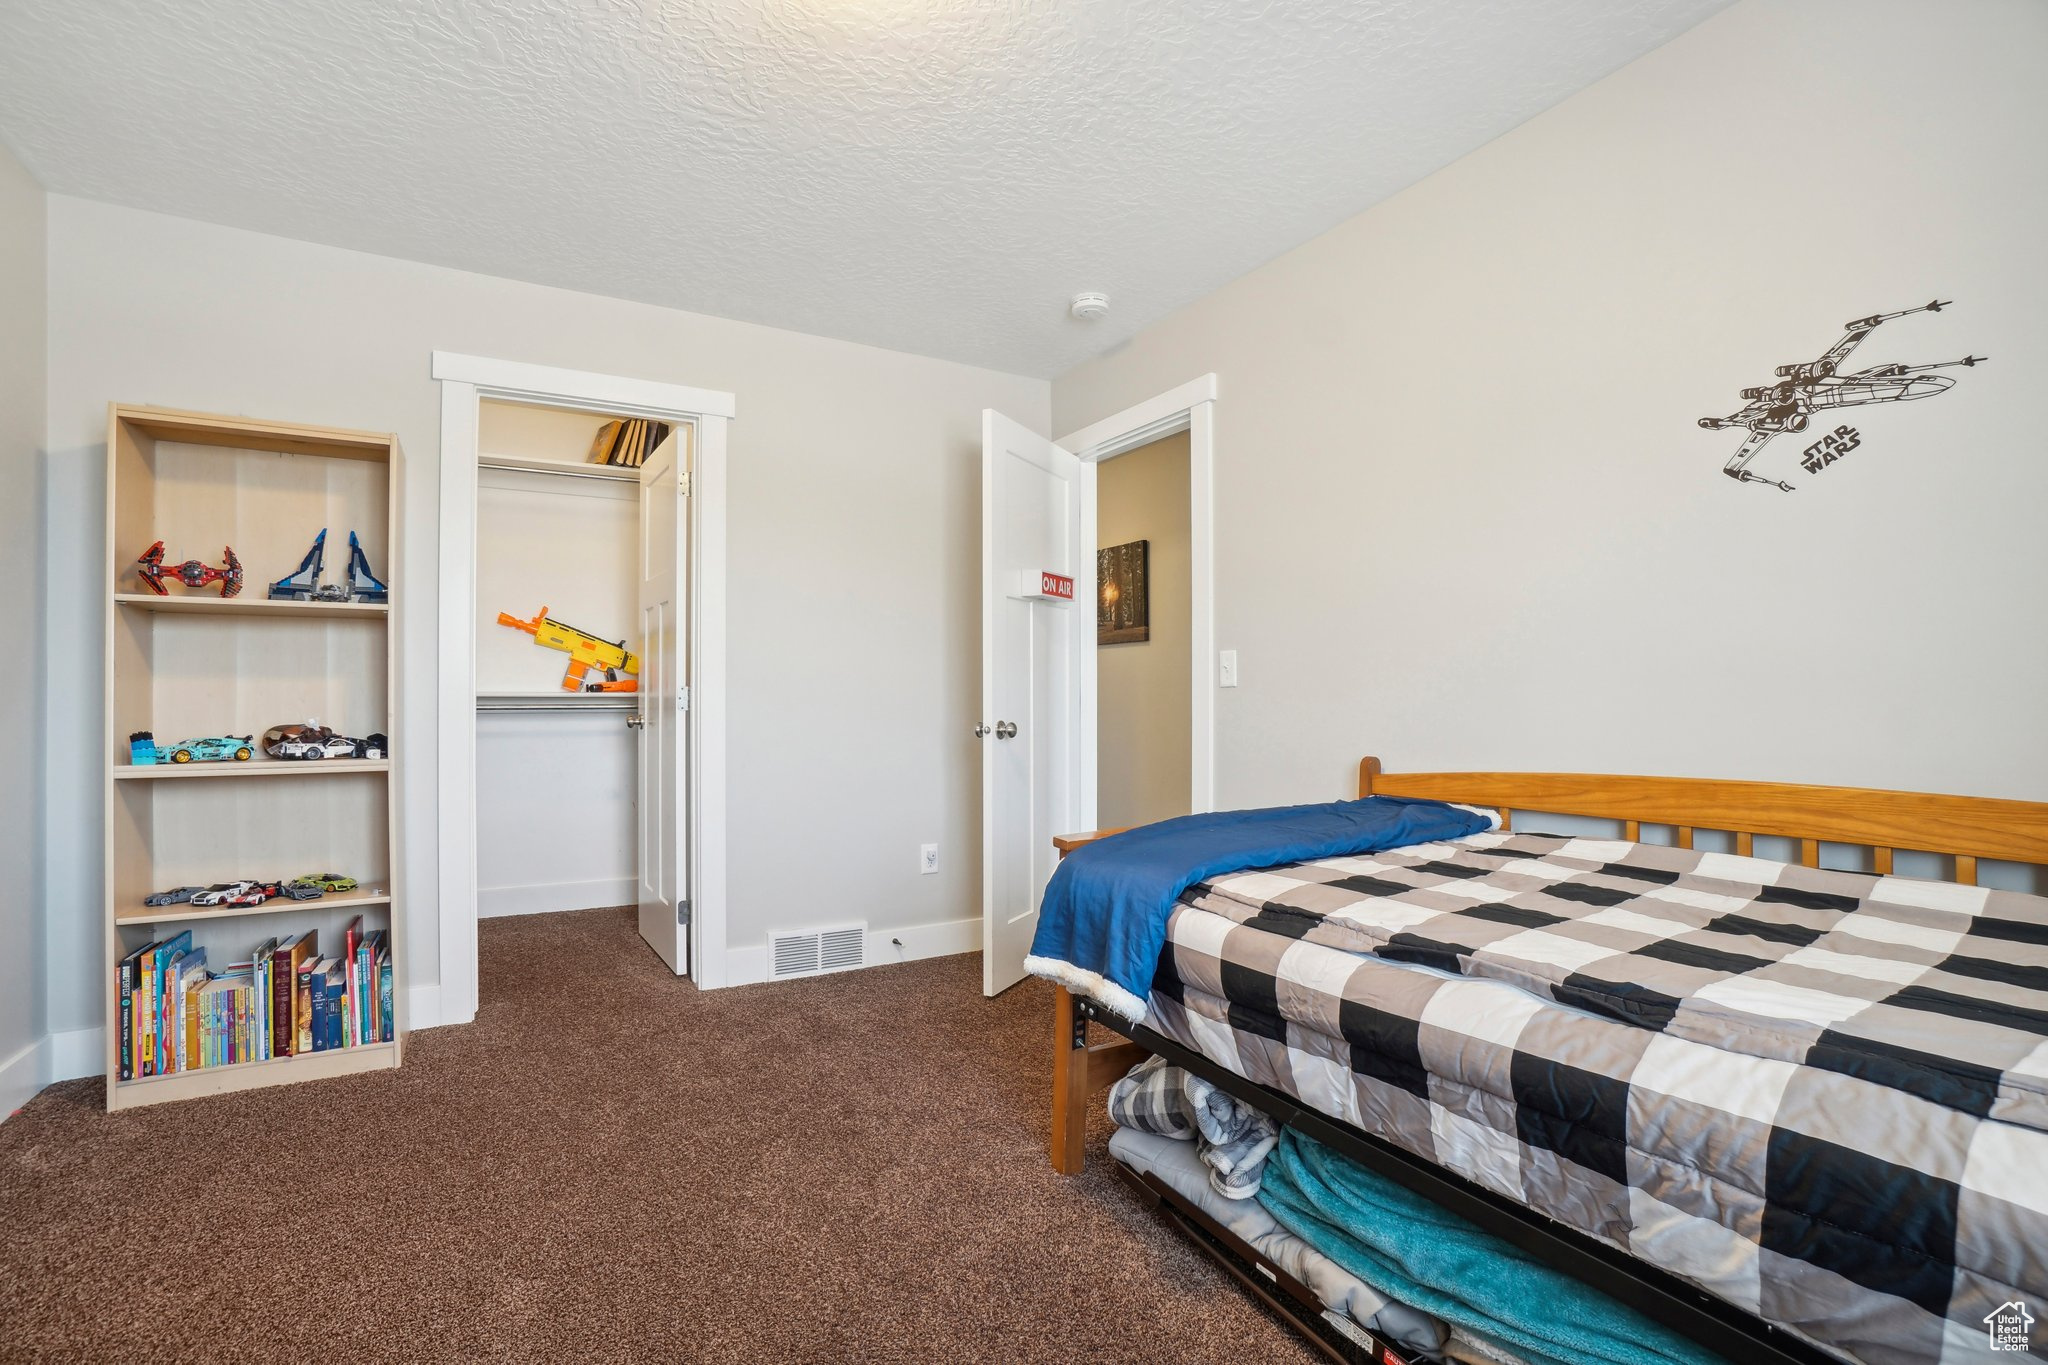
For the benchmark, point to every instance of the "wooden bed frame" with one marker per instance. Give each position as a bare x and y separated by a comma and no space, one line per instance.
1963,828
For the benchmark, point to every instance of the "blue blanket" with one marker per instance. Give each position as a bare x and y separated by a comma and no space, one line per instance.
1421,1254
1103,921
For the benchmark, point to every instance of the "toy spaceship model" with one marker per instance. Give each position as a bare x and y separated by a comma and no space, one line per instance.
1802,390
304,585
191,573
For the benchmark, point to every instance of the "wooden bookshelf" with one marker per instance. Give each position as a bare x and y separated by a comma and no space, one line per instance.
194,664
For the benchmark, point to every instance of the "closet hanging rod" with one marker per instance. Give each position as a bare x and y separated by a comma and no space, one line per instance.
483,704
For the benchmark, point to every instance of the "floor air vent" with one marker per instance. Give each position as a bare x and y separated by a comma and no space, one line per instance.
816,950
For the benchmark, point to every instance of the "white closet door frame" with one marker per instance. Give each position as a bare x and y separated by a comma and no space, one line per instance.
1191,408
465,382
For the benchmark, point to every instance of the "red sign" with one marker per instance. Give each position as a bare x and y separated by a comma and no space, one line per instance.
1056,585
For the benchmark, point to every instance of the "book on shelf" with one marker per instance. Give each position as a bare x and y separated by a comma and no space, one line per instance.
178,1013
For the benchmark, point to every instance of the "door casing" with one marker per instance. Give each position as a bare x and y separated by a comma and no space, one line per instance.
1190,407
465,381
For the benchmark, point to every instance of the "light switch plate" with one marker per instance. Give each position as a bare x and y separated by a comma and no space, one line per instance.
1228,670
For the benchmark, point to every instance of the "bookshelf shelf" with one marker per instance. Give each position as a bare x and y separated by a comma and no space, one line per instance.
187,664
255,767
253,608
179,914
222,1080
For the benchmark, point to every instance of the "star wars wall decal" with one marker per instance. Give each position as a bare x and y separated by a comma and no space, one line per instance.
1803,390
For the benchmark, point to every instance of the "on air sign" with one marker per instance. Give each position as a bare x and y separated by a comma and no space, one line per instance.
1056,585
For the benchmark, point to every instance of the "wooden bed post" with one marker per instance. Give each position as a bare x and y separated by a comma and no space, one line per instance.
1078,1070
1069,1085
1368,771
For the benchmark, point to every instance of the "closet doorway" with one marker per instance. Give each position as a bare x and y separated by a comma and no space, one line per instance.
582,632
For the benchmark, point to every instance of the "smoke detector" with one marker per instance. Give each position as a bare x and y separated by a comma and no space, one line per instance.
1089,306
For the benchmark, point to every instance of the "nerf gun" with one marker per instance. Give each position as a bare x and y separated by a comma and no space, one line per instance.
585,651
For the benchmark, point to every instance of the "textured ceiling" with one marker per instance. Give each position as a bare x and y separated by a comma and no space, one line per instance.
936,176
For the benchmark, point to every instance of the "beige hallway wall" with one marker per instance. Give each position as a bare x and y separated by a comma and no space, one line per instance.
1142,704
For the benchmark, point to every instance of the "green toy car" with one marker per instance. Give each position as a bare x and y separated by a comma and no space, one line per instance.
210,749
326,881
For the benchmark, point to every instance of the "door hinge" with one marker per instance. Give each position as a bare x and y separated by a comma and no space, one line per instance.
683,483
682,912
682,699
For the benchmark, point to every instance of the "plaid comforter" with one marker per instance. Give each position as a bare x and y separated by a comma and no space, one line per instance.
1820,1095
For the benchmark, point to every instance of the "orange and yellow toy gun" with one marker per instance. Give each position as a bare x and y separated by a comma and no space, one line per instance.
585,651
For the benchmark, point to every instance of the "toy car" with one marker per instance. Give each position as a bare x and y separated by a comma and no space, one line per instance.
220,892
327,881
177,895
213,749
252,893
314,741
300,890
191,573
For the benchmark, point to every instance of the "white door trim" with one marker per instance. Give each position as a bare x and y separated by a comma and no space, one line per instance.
1192,408
465,381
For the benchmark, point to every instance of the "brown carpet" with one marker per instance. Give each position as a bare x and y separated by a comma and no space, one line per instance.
610,1166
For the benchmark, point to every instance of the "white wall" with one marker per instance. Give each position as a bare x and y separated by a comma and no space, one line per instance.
1465,518
1142,703
22,259
853,524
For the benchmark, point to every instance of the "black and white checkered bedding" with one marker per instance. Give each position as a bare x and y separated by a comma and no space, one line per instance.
1820,1095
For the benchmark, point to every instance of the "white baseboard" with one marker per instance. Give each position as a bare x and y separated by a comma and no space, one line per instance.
423,1007
51,1058
22,1075
78,1052
548,898
748,963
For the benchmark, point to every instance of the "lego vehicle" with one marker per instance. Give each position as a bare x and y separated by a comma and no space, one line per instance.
177,895
327,881
300,890
192,573
313,741
253,893
212,749
220,893
303,584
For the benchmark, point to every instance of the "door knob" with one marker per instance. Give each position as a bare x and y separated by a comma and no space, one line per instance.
1006,729
636,722
981,730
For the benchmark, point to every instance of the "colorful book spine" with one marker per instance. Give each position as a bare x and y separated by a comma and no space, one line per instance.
385,1027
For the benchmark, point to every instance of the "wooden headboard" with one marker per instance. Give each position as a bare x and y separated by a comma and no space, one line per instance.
1965,827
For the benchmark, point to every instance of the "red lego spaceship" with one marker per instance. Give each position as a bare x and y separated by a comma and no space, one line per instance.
191,573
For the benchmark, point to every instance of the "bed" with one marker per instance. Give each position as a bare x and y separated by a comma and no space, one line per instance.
1794,1114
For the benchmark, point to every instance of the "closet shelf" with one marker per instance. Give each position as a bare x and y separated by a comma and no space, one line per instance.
535,465
253,607
179,914
276,767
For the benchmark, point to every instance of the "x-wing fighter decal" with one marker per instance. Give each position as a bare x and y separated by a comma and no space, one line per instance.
1803,390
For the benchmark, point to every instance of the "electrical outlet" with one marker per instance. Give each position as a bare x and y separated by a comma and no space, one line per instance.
1228,669
927,858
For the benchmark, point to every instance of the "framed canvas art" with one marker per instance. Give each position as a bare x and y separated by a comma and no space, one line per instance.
1122,611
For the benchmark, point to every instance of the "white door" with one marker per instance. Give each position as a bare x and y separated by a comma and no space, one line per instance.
664,635
1031,528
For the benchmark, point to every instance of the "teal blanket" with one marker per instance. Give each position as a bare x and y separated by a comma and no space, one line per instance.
1429,1258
